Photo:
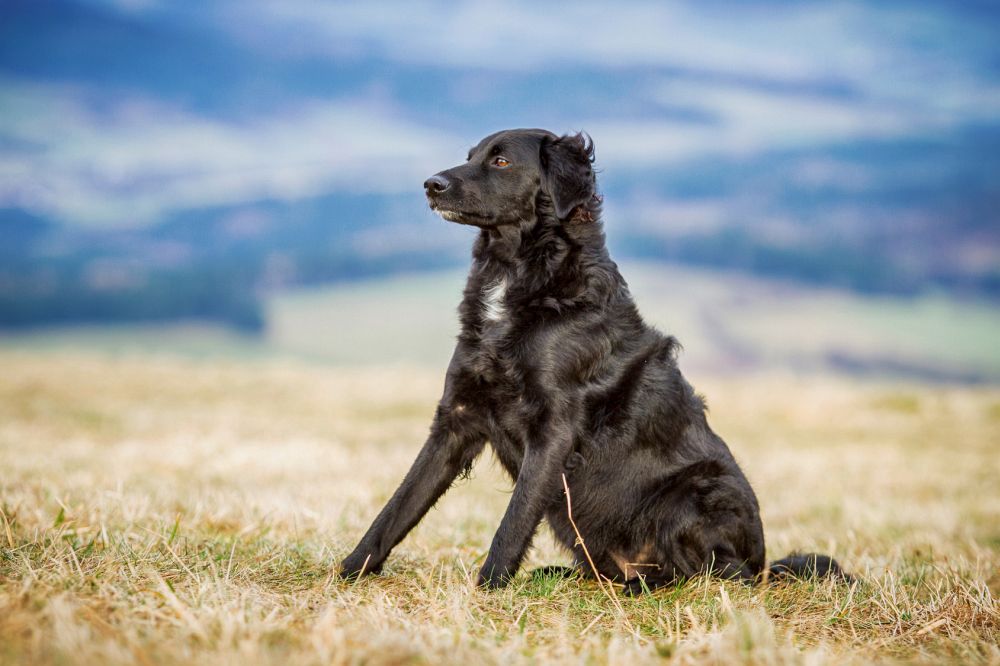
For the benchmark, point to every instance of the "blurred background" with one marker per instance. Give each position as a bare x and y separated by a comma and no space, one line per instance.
805,187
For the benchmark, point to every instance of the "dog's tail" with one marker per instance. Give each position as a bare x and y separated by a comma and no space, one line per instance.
807,565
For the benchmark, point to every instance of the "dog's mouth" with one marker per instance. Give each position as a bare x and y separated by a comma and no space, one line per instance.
460,216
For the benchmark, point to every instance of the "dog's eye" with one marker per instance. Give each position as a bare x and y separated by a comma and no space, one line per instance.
501,162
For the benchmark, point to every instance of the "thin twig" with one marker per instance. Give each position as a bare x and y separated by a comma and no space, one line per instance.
610,590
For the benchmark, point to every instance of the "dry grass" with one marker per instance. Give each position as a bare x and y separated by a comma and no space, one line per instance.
165,511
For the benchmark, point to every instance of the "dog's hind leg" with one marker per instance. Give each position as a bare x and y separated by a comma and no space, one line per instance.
719,563
642,584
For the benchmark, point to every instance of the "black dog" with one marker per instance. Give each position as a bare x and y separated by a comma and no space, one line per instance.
555,368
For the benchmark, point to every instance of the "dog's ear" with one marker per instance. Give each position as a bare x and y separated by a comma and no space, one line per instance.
567,174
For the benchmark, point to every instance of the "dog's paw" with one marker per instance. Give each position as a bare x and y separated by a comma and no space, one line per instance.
354,566
633,587
494,578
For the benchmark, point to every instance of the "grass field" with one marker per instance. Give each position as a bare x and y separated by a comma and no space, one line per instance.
158,510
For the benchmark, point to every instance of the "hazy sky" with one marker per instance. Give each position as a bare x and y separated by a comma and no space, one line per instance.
119,111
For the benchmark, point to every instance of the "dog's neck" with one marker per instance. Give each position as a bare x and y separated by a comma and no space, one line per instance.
548,261
515,243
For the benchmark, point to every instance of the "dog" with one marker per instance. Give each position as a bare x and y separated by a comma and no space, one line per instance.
557,371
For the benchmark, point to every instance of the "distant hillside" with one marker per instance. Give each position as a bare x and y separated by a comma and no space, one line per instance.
726,322
215,264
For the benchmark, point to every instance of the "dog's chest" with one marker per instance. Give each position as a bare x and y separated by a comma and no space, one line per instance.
498,337
492,301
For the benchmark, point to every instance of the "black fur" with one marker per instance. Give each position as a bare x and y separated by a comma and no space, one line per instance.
564,377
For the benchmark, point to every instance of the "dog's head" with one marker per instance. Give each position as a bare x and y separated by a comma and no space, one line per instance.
505,173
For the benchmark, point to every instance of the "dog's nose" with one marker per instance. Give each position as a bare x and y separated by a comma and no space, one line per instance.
436,184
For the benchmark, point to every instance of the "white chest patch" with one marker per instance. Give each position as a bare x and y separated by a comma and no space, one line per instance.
493,306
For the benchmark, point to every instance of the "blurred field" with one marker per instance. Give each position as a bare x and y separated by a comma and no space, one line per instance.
728,322
161,510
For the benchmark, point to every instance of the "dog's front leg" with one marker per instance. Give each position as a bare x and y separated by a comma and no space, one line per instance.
538,485
449,449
